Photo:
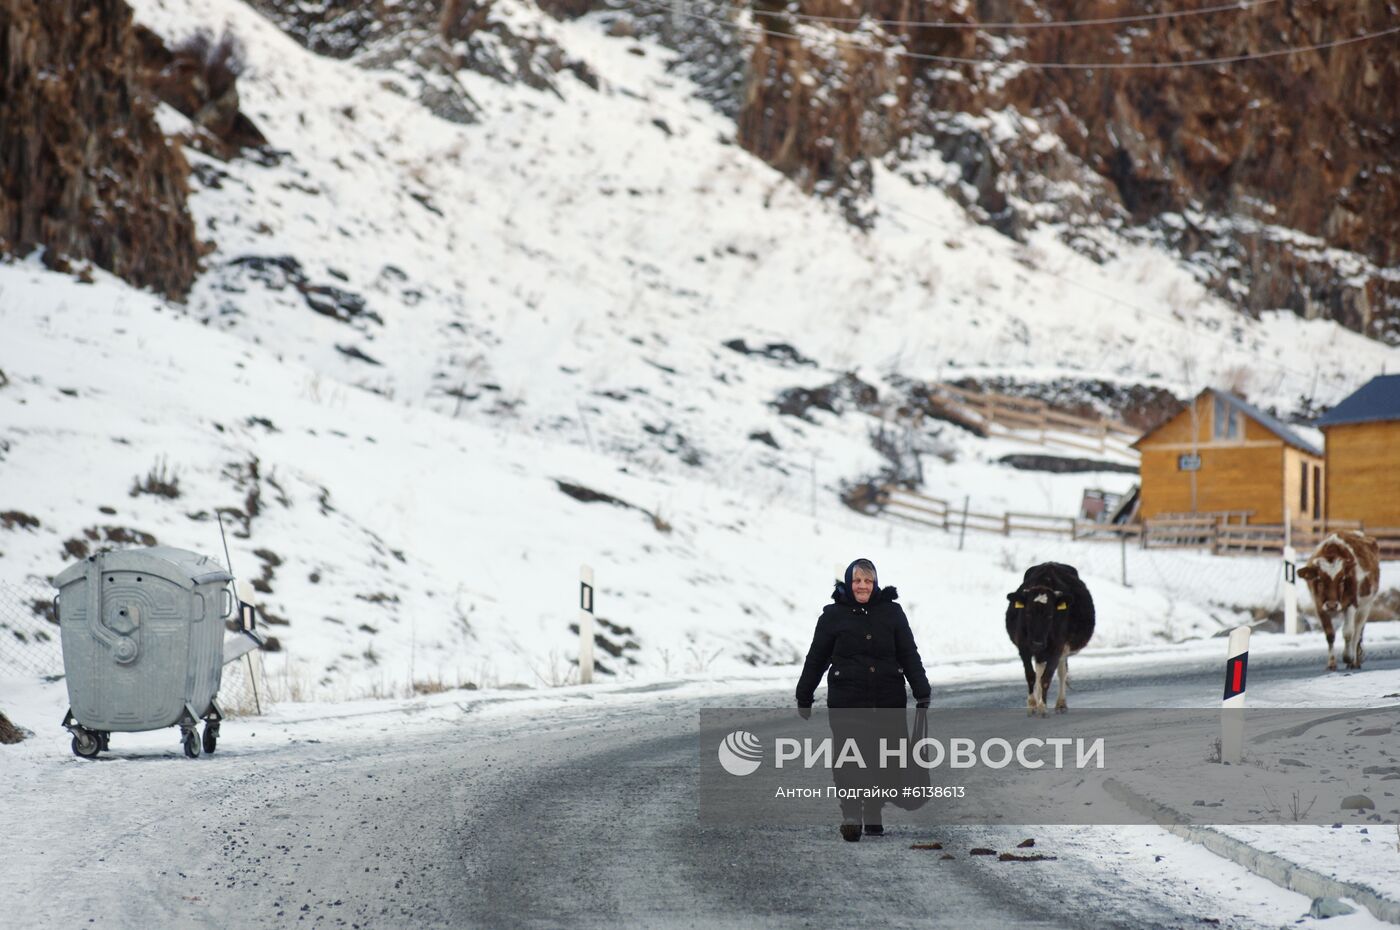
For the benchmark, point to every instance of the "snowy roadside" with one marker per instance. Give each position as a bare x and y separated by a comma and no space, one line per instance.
1135,857
39,707
1363,858
1367,855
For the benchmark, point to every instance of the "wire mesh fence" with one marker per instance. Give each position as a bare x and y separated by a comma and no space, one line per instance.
29,641
243,691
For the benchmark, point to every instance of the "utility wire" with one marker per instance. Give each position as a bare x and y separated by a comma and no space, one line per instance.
1238,7
675,9
1041,65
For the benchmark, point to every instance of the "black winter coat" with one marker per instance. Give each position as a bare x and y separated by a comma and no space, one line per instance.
870,650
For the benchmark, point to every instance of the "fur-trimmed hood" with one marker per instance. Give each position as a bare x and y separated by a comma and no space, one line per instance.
842,595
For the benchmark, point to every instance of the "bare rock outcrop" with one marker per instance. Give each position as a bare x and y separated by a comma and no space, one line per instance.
85,172
199,78
437,39
1275,175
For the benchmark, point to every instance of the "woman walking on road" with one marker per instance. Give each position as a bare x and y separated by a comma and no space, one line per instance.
864,638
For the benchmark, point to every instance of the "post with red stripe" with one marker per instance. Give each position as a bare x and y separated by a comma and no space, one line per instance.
1232,706
585,625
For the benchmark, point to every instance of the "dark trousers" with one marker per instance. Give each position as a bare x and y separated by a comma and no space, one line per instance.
865,727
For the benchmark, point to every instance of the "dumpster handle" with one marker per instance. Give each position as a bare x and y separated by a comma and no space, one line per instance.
123,648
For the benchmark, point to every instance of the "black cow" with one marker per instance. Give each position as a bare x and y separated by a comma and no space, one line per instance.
1049,617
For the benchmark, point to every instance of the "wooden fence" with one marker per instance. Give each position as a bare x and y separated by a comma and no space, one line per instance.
1221,533
1265,537
936,512
1029,419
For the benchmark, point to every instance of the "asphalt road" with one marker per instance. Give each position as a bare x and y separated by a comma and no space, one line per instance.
1179,683
581,816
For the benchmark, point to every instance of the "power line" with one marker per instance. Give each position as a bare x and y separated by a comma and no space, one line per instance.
675,9
1237,7
1041,65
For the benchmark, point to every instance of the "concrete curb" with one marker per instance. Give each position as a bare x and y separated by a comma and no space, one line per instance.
1275,868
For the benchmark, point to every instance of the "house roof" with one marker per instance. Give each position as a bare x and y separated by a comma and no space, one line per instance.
1377,399
1272,424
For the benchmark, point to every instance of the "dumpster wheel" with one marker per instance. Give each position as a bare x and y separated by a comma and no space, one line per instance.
86,745
211,737
191,742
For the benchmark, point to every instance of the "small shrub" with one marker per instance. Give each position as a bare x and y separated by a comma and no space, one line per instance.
221,60
658,521
17,518
160,481
43,609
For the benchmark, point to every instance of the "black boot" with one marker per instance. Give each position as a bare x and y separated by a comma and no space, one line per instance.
870,815
850,832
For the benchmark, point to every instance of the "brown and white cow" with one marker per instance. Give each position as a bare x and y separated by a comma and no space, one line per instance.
1344,577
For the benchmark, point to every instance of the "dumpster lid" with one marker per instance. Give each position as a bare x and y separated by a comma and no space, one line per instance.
180,566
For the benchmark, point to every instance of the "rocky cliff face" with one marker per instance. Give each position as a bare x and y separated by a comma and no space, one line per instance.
1277,176
438,37
85,172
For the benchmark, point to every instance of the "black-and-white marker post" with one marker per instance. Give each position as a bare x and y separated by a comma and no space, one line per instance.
585,625
1232,706
1290,576
1290,591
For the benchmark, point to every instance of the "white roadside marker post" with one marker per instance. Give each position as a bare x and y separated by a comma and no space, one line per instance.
585,625
247,619
1232,706
1290,591
1290,576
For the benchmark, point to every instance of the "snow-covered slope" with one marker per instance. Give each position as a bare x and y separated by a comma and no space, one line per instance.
412,329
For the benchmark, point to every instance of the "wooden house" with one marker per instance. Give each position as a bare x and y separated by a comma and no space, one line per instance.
1363,455
1221,455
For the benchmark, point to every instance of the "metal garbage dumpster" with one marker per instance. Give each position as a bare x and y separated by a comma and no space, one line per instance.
142,633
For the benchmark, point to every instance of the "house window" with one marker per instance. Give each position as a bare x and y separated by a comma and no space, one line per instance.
1303,493
1227,420
1317,492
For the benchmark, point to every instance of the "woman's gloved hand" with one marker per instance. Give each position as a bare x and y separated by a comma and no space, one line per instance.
922,704
805,712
